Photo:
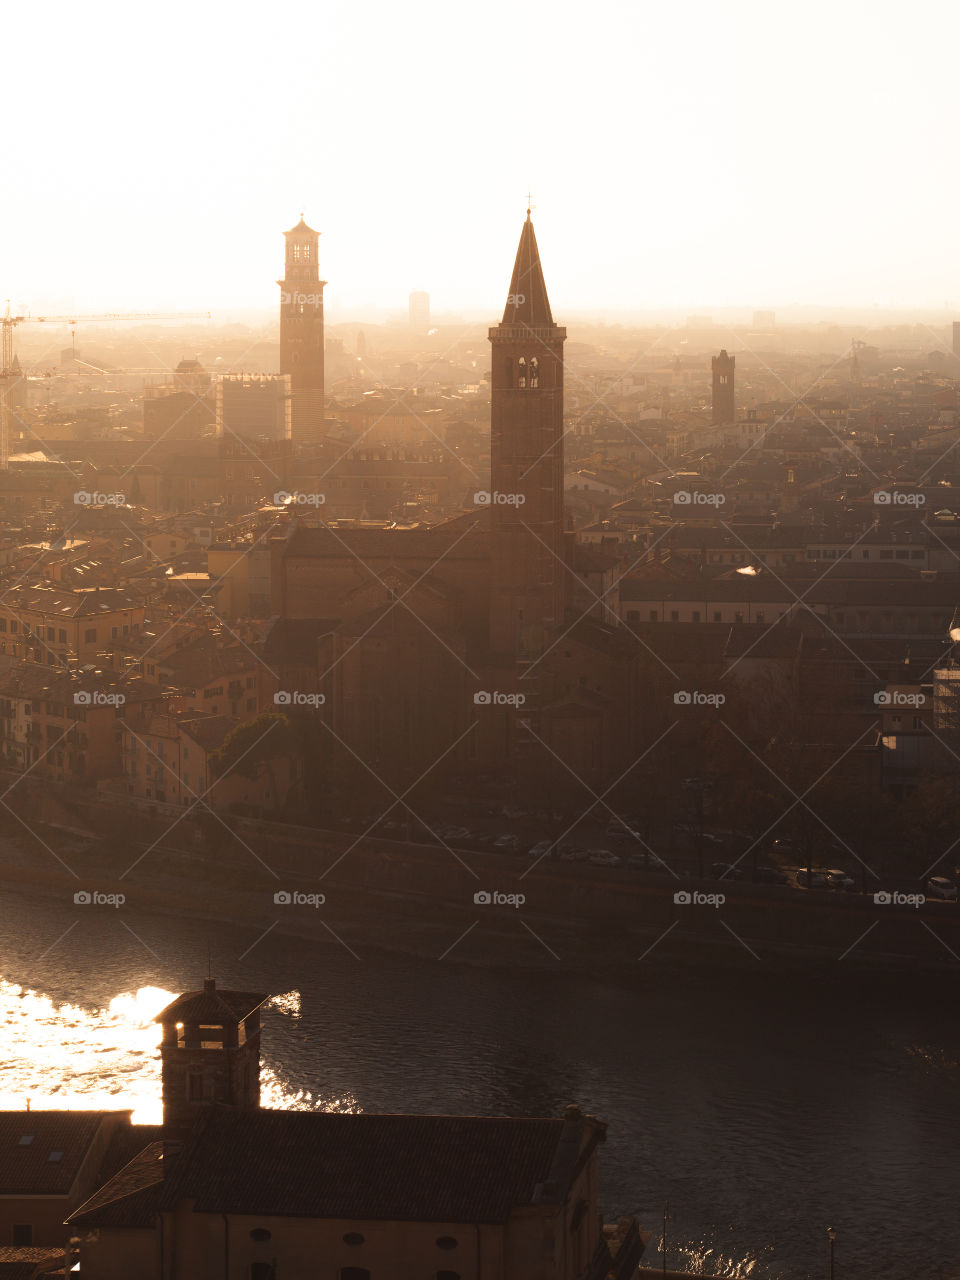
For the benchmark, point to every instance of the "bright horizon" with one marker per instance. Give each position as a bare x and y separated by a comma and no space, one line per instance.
690,159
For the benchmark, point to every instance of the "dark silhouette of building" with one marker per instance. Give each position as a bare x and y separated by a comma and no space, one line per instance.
724,404
526,461
209,1053
301,331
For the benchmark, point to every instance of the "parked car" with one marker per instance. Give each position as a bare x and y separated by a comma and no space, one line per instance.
542,849
603,858
511,843
941,887
617,830
810,879
724,871
838,879
769,875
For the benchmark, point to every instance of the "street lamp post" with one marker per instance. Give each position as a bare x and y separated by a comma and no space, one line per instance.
831,1236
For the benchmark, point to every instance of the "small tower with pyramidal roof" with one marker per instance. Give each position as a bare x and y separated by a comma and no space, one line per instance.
210,1053
526,462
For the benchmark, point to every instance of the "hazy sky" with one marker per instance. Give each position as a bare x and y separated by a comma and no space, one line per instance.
680,154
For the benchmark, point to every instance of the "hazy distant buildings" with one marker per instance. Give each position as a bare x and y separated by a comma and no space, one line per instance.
419,310
254,406
724,403
956,337
301,331
180,408
764,319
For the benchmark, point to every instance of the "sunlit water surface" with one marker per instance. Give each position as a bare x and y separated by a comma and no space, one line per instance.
761,1108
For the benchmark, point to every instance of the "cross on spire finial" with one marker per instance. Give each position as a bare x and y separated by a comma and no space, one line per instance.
530,205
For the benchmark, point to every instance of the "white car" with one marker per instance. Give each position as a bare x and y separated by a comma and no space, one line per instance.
837,879
943,888
507,842
603,858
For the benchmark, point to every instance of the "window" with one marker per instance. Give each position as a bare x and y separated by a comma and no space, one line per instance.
654,615
260,1233
448,1275
446,1242
54,1157
22,1235
63,635
261,1270
760,617
14,626
90,635
353,1237
354,1273
195,1086
717,616
25,1140
674,615
695,616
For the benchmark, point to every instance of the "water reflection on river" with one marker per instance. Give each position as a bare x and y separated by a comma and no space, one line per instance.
764,1108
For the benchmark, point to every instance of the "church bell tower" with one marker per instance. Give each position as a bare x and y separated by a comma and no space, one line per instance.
209,1053
526,463
301,331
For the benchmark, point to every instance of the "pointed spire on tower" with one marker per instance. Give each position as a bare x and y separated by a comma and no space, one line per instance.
528,302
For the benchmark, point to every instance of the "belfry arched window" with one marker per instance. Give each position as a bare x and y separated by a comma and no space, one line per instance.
534,371
521,372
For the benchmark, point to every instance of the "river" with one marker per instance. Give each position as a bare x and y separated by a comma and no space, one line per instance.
762,1107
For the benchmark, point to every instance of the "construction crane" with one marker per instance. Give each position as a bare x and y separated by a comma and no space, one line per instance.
9,373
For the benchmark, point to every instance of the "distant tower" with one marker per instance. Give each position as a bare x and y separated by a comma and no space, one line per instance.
210,1054
301,331
956,337
724,409
419,310
526,462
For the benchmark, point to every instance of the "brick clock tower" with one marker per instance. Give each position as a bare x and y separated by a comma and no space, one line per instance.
526,462
209,1053
301,331
724,404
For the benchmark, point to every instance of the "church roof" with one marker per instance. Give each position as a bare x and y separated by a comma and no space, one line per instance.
527,302
455,1169
29,1145
130,1198
211,1005
300,228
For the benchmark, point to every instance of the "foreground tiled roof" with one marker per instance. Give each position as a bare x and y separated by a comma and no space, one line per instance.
26,1167
211,1005
130,1198
391,1167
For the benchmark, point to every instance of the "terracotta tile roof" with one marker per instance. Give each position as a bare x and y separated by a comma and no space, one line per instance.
26,1167
209,1005
130,1198
398,1167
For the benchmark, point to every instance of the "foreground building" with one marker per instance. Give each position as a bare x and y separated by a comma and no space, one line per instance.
231,1190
